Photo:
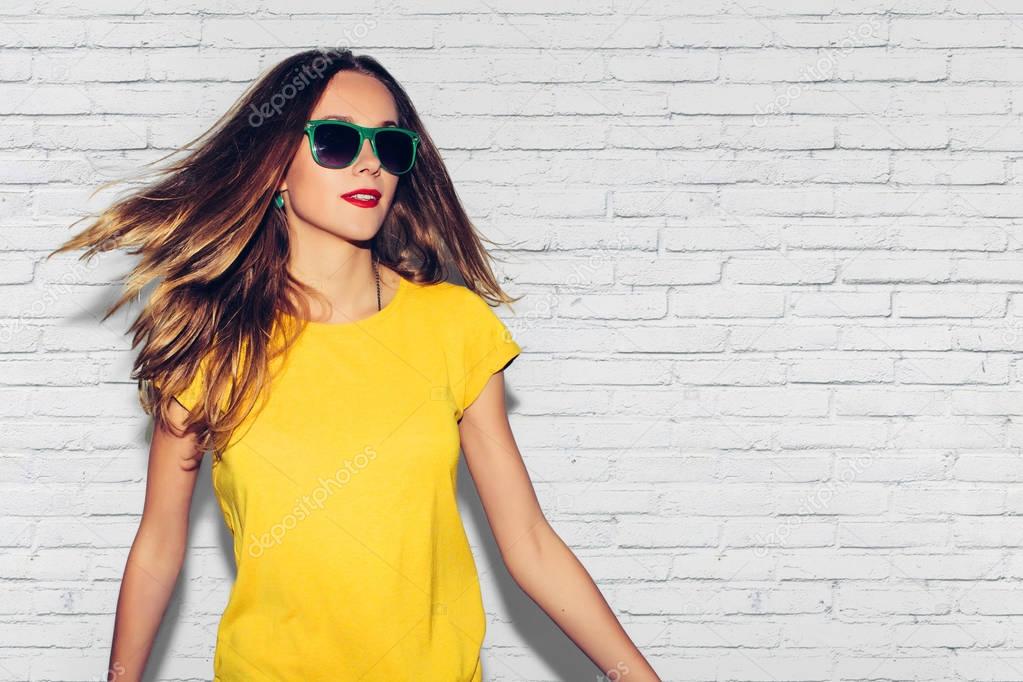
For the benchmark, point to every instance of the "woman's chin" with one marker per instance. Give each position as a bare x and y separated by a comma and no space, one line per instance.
354,232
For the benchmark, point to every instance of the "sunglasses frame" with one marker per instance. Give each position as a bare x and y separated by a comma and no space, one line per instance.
364,134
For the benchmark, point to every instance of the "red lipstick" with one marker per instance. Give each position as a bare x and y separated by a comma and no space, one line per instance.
365,198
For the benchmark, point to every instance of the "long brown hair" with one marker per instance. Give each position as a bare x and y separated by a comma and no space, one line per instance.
207,226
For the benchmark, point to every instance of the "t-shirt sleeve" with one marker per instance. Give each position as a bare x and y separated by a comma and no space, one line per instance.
487,347
190,396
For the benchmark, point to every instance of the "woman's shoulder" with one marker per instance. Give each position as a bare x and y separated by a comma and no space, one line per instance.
450,304
445,292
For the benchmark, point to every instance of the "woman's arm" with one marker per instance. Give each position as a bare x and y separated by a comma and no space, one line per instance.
158,550
542,565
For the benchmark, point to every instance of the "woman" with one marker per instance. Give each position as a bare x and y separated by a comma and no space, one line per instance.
303,330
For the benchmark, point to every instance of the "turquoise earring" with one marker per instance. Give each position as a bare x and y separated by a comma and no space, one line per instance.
279,200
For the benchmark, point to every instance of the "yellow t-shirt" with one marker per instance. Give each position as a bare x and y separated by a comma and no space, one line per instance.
352,561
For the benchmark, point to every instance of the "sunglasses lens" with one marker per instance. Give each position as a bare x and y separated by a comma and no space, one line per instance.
396,150
336,146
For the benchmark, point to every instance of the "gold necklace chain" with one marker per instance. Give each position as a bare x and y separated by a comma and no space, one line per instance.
377,273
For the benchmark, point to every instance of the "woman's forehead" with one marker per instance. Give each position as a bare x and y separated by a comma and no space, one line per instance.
356,98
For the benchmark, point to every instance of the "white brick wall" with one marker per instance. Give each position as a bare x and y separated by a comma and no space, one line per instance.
771,253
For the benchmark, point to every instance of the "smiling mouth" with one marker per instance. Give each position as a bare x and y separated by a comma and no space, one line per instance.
363,199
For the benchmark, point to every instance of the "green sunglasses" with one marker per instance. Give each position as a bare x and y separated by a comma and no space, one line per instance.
336,144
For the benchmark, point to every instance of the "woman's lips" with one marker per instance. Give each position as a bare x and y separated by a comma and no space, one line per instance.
362,198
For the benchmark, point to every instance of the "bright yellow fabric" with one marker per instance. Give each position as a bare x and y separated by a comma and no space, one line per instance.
352,560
